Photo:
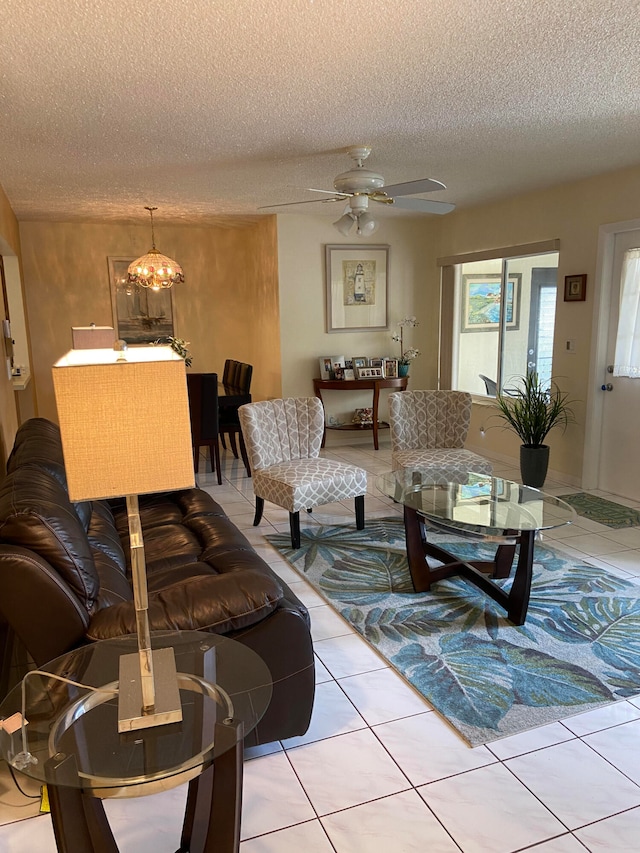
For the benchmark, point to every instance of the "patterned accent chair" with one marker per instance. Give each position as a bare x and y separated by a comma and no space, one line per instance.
283,439
428,432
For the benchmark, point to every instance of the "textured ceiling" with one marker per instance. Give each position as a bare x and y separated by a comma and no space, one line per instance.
215,107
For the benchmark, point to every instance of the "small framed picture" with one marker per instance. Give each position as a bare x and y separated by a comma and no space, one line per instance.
575,288
375,362
391,368
370,373
359,361
325,367
349,373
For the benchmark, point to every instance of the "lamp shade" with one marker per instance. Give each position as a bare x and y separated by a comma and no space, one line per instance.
93,337
125,423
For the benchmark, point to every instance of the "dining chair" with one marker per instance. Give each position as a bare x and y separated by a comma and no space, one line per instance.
490,385
202,389
227,371
283,439
229,425
428,432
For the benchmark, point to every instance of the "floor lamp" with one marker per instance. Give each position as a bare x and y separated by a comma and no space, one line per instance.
124,419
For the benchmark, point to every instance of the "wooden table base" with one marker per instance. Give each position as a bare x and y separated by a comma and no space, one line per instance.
212,815
515,601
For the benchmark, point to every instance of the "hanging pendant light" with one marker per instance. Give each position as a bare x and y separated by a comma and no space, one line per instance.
154,269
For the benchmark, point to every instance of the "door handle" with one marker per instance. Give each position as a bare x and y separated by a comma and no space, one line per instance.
607,387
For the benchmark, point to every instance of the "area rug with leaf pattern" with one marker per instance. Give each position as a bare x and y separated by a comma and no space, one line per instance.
578,650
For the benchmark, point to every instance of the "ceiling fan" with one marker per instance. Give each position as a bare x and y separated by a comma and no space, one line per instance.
359,185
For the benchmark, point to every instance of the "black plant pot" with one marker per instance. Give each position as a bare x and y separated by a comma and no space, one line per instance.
534,461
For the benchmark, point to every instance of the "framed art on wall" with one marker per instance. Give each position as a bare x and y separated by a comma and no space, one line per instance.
140,315
481,302
575,288
356,288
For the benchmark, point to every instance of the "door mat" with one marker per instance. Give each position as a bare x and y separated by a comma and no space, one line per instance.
603,511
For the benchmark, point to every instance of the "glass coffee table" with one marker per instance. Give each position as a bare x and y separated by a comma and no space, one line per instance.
486,508
72,744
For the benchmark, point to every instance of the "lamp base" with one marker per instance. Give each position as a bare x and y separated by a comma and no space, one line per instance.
167,707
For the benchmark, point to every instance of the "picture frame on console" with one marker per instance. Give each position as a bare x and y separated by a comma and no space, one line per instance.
328,364
356,288
370,373
140,315
391,368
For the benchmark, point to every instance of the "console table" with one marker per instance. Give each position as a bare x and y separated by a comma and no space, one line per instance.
399,384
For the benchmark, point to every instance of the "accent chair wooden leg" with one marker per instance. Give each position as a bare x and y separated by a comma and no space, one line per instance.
359,502
294,525
196,458
259,511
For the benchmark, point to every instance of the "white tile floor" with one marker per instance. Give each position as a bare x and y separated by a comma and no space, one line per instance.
378,770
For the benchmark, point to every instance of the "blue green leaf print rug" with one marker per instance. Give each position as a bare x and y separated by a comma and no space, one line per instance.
579,648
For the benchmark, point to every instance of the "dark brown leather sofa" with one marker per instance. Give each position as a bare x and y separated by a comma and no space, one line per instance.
64,575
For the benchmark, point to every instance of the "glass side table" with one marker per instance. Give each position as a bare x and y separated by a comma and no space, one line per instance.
72,744
481,507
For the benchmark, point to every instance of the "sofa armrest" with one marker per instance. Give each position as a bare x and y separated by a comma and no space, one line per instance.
40,607
201,602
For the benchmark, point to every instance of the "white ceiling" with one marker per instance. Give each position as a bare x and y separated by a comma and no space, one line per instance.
215,107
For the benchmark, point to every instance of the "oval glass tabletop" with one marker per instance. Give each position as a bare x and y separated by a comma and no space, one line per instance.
482,505
222,684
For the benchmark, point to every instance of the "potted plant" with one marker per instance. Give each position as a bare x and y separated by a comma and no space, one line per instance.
532,411
178,345
406,355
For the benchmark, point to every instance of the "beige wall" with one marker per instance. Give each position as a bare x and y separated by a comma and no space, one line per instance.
227,307
301,259
258,293
9,245
573,213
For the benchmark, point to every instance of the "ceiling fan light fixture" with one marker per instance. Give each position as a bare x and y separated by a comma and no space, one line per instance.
344,224
367,225
154,269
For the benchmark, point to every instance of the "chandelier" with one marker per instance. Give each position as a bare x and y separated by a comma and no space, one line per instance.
154,269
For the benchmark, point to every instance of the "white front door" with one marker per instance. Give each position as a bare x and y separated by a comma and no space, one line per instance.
619,469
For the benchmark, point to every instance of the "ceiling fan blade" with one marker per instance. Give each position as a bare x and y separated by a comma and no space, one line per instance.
426,185
308,201
424,205
340,196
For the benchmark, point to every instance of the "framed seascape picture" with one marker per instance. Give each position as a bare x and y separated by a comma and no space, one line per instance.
481,302
140,315
356,288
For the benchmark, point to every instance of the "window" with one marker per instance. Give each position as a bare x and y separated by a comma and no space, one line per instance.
502,315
